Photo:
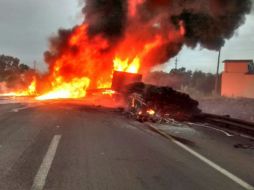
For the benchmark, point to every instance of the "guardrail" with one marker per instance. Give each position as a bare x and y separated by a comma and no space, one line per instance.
227,122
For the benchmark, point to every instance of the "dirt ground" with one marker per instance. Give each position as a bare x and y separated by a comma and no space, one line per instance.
239,108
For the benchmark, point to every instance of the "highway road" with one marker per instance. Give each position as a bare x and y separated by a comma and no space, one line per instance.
67,146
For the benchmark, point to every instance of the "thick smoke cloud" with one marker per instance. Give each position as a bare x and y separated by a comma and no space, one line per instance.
107,17
57,45
206,22
103,17
211,25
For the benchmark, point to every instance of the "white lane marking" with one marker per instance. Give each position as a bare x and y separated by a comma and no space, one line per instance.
223,171
41,176
215,166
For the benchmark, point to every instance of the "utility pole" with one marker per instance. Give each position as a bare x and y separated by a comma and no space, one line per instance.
34,65
217,75
176,63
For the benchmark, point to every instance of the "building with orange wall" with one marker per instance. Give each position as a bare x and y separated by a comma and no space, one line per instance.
238,79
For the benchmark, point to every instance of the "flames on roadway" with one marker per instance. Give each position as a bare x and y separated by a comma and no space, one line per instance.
130,36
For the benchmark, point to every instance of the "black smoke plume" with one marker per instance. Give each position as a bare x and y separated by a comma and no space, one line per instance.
207,23
106,17
211,25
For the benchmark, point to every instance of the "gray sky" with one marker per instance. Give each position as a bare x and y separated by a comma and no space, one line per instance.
25,26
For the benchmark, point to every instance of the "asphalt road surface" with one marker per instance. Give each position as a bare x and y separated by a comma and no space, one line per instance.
65,146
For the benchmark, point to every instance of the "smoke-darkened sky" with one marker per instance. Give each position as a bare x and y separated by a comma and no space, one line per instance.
239,47
26,25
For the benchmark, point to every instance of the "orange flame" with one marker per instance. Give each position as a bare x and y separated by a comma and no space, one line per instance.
126,65
133,6
65,90
89,62
150,111
109,92
30,91
101,85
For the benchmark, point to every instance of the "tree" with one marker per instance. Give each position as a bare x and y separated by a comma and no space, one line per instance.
11,70
197,81
23,68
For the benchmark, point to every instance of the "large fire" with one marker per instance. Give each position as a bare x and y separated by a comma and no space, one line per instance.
30,91
74,72
127,65
64,90
83,61
126,35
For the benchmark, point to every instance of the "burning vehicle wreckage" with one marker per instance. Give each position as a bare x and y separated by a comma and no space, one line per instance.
131,36
146,102
159,104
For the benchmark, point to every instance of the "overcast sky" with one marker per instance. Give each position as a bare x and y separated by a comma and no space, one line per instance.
25,26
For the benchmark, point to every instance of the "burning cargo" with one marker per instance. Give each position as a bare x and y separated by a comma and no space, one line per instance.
164,101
